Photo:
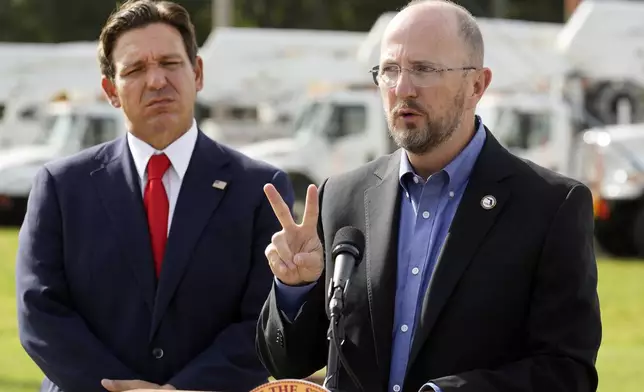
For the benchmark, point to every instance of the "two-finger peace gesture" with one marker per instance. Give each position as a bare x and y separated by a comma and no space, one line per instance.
295,253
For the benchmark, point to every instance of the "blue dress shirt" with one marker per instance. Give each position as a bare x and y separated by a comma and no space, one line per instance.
427,209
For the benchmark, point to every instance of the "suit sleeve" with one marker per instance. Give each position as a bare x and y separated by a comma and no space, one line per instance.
232,356
51,332
564,326
297,348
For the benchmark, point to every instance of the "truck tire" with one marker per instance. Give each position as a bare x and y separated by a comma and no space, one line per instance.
614,241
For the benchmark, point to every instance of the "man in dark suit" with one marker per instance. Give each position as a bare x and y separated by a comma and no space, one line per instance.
141,261
479,272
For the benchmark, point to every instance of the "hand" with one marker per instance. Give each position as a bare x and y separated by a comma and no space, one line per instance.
128,385
295,253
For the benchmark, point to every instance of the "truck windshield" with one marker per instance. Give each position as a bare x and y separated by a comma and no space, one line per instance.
56,129
305,121
631,150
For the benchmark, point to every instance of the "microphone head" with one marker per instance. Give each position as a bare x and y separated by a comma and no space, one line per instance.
349,239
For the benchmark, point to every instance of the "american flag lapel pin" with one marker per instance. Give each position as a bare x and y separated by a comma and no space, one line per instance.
221,185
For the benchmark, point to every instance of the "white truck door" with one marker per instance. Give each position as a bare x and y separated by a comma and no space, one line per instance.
347,137
99,129
530,135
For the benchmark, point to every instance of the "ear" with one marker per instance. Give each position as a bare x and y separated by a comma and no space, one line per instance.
198,69
110,91
482,81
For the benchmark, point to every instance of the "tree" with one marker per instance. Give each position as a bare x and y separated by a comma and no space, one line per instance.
81,20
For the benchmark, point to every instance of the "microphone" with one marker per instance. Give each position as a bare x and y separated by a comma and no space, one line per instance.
348,248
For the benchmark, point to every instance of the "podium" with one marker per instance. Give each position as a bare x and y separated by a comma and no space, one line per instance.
273,386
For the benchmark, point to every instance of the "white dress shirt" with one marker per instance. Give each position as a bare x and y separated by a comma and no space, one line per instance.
179,153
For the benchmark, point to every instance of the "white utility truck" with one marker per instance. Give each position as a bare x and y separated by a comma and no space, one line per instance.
67,127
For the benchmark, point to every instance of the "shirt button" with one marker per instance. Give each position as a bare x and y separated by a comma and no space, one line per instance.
451,193
415,271
404,328
426,214
416,181
157,353
396,388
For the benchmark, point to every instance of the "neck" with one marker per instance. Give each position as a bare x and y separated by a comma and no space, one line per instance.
161,141
435,160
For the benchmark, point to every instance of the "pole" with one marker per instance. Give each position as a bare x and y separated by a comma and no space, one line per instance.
337,325
222,11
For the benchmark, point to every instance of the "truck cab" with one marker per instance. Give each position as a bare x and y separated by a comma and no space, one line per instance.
66,128
610,162
537,127
333,132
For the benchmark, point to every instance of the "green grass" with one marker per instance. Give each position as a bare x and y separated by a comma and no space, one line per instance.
621,357
17,372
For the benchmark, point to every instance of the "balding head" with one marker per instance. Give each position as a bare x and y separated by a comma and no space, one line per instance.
447,18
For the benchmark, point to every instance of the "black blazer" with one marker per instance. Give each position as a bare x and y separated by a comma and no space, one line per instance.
513,304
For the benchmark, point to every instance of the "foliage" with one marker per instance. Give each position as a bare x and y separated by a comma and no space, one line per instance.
81,20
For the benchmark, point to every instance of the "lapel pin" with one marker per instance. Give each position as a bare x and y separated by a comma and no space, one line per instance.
221,185
488,202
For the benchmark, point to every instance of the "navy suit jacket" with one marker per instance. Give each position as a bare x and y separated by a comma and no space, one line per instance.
89,303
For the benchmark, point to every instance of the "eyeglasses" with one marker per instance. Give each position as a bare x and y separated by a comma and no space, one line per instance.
420,75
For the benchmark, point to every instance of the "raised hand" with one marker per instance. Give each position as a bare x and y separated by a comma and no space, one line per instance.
295,253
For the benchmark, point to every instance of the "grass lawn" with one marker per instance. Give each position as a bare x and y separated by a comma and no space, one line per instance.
620,363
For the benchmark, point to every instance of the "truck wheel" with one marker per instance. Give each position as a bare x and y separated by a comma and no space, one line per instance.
638,232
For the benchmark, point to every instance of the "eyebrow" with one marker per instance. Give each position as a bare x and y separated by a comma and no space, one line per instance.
414,62
171,56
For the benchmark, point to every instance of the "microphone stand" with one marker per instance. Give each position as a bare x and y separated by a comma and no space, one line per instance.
336,304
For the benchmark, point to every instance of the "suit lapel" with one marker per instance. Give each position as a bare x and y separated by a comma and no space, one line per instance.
119,190
382,213
197,201
468,230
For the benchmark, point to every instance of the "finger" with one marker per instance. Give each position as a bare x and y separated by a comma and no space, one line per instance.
280,208
109,385
125,385
116,385
277,265
311,208
283,249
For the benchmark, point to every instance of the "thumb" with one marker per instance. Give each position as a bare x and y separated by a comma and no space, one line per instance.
108,384
307,260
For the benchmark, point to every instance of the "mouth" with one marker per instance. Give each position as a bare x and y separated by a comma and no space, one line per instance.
159,102
407,113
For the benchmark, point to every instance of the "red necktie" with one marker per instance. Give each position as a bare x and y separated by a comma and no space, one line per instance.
157,207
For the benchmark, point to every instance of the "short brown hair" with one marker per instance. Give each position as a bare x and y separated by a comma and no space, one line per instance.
140,13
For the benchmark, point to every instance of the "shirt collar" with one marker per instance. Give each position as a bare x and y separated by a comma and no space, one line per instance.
179,152
459,169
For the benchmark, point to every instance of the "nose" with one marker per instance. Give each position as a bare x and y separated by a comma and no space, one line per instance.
405,88
156,78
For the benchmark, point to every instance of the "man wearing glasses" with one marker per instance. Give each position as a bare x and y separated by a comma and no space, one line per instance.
478,273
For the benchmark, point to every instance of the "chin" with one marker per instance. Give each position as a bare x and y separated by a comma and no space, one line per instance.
168,120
